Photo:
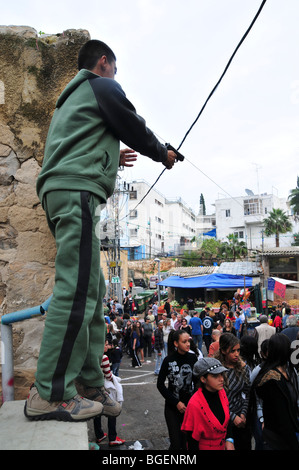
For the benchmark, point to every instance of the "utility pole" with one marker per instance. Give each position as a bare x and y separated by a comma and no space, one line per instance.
149,238
114,252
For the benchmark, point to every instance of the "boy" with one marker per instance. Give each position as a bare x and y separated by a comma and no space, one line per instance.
79,170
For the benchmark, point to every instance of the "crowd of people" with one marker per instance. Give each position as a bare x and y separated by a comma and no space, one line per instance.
225,386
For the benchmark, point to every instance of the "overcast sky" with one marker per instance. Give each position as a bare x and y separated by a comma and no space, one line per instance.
170,54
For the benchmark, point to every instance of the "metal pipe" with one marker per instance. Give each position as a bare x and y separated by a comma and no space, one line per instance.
7,345
26,314
7,363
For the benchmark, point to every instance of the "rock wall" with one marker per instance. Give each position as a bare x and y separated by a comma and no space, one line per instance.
33,72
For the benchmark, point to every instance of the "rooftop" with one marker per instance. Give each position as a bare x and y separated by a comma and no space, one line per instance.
189,271
237,268
281,251
240,268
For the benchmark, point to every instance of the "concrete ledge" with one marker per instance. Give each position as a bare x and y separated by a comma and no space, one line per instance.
19,433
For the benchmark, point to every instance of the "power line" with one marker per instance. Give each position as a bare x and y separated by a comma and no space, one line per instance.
224,72
208,99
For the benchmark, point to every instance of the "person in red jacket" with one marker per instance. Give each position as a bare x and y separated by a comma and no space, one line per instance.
206,419
277,322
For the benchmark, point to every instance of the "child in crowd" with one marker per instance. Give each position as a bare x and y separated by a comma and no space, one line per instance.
116,356
114,440
207,419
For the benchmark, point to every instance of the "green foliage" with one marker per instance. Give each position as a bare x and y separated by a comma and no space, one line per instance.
233,249
294,198
215,250
278,222
202,202
296,239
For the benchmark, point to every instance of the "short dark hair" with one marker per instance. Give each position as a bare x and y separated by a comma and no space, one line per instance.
91,52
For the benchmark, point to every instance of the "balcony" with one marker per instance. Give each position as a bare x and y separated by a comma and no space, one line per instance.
250,219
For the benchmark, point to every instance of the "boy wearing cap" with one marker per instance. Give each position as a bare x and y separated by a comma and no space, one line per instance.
207,418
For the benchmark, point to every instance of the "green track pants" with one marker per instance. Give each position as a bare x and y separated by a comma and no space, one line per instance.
74,335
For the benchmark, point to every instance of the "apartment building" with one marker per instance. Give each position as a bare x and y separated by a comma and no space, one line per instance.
244,217
156,225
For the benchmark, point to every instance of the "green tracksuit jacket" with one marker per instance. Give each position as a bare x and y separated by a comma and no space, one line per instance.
92,116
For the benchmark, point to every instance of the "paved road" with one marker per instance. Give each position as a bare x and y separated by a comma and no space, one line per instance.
142,417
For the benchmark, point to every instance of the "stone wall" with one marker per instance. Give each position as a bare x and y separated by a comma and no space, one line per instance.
33,72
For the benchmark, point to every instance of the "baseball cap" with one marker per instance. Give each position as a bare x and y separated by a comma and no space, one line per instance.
208,365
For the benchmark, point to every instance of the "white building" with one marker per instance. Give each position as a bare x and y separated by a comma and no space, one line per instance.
151,224
156,224
244,216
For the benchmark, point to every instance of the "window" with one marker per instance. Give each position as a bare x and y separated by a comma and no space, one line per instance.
252,206
133,232
133,194
227,212
239,234
133,214
159,203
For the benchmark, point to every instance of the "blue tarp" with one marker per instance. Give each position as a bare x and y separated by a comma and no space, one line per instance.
211,281
211,233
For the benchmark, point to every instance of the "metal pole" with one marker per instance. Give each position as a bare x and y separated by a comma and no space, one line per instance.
7,344
7,363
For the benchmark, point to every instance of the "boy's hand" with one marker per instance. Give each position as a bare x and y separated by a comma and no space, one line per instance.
171,158
126,157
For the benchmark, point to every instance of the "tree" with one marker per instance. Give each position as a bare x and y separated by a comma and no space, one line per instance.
209,251
277,223
202,205
233,248
210,248
296,239
294,198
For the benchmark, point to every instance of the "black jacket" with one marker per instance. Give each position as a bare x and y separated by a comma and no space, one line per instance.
280,408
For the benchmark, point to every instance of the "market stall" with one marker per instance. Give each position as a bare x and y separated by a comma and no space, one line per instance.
197,287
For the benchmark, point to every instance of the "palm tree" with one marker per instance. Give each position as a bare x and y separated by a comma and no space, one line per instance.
233,248
277,223
294,198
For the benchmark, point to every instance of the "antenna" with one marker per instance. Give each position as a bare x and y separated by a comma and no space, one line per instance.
257,168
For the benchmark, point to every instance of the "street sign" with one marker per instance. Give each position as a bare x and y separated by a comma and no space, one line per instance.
115,280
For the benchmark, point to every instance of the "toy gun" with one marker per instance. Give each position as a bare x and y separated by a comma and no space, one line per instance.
178,154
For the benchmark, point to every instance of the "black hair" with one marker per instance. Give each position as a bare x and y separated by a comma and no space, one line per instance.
264,348
279,352
91,52
249,351
173,336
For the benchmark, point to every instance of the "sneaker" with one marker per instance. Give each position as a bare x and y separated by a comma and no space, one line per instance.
102,438
100,394
75,409
117,442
